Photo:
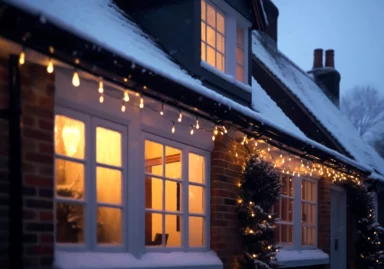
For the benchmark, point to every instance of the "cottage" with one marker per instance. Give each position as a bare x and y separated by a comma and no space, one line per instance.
125,125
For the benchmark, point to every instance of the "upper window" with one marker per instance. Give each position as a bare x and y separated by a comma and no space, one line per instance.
297,213
224,39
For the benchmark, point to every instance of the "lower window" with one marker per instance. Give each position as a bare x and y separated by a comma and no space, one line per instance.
175,196
296,211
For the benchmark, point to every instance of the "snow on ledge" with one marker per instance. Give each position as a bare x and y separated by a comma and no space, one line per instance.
229,78
376,176
97,260
292,258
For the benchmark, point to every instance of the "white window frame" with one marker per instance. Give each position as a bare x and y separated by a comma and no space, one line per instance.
185,150
297,214
233,20
90,200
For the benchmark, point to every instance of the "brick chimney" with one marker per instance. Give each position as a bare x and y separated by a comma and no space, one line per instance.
318,58
330,58
327,77
272,13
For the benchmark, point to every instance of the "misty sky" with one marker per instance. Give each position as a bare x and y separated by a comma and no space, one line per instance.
353,28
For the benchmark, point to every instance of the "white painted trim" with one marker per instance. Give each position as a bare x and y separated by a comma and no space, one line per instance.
226,8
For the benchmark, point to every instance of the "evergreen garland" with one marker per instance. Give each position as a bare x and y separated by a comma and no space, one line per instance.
260,188
370,235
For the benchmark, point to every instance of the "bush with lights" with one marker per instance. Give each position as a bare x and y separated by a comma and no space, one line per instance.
259,190
370,235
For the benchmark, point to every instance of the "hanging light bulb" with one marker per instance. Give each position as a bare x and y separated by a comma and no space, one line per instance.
197,123
50,67
269,149
76,79
101,86
141,102
126,96
180,116
162,109
216,131
123,107
22,58
192,131
213,137
173,128
225,129
101,99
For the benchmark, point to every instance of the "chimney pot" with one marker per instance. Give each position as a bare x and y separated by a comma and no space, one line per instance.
318,58
330,58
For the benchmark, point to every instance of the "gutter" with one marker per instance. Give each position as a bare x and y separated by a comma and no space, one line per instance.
15,167
28,30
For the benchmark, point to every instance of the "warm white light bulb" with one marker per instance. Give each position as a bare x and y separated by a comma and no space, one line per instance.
101,86
161,111
213,138
216,131
225,129
101,99
141,102
180,117
76,79
192,131
197,123
126,96
173,128
50,67
123,107
22,58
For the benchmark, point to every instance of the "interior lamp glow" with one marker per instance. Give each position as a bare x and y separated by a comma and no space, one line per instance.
71,137
50,67
126,96
22,58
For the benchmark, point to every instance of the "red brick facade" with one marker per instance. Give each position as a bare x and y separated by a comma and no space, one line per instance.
37,120
225,175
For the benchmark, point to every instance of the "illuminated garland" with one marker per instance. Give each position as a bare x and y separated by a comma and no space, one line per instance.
260,189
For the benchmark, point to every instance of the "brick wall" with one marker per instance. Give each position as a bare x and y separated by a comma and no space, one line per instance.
37,120
4,180
225,172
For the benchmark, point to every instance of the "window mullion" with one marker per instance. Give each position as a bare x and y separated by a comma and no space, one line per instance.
91,185
163,199
184,195
297,213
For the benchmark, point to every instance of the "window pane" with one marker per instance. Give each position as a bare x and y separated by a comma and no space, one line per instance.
211,39
69,179
220,23
196,168
108,185
220,61
312,214
286,210
304,212
203,31
313,192
173,230
153,229
290,233
153,158
290,210
210,56
108,146
69,137
172,196
239,56
284,233
284,186
240,38
69,223
108,225
239,73
203,10
172,163
196,199
203,53
153,193
276,209
220,46
211,15
304,235
196,231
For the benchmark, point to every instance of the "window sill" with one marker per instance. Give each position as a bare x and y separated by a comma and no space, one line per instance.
96,260
229,78
296,258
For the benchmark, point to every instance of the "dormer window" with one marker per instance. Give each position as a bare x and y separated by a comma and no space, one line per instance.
224,40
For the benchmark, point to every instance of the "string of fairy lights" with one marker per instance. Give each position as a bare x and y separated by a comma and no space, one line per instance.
286,162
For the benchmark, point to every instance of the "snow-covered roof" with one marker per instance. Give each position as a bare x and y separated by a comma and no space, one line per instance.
313,98
102,23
